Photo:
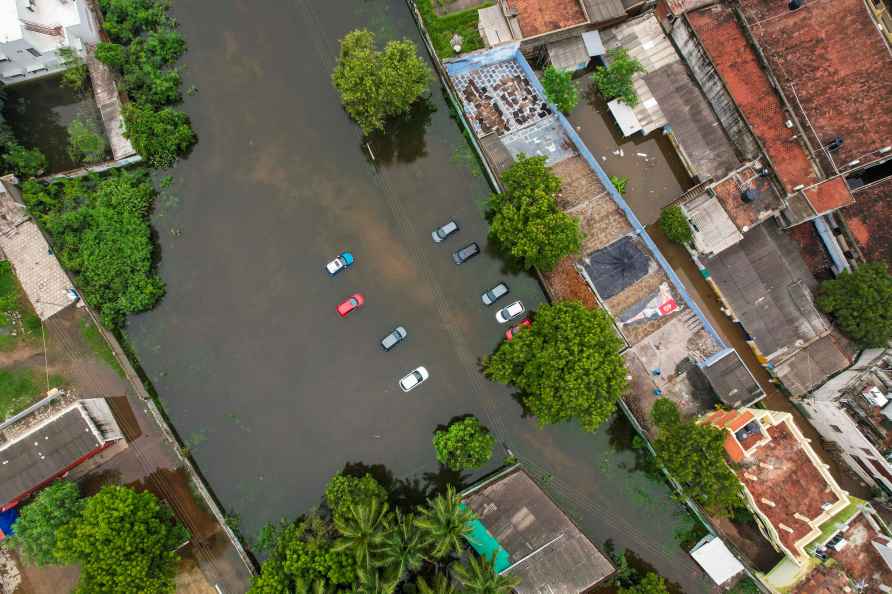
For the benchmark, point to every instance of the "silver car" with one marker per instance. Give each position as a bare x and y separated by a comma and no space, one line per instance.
394,338
414,379
441,233
494,294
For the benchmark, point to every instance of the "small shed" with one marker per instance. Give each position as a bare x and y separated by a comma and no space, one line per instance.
716,560
625,117
568,54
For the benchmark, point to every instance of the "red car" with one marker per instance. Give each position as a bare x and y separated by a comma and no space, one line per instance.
515,329
350,304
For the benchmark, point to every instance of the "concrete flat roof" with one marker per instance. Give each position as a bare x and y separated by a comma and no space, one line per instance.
548,552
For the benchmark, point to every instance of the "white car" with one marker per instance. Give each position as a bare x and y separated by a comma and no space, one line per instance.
506,314
345,260
413,379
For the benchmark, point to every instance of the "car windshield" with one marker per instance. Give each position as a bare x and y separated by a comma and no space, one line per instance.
353,302
417,375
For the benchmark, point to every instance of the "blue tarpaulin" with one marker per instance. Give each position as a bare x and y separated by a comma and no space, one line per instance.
7,519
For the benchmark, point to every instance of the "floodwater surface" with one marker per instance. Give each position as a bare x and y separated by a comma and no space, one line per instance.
272,392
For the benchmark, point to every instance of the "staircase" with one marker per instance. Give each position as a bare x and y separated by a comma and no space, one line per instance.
54,31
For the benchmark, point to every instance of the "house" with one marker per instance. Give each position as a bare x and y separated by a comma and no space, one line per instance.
48,440
531,538
853,413
33,31
787,487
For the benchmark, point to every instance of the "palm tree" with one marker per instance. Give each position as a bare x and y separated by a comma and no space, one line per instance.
446,522
441,585
362,531
302,586
479,577
372,581
404,546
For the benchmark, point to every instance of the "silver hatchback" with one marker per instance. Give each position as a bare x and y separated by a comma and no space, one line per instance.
394,338
494,294
441,233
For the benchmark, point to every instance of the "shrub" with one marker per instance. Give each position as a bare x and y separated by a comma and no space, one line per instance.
25,162
160,136
675,225
464,445
559,88
378,85
111,54
615,80
619,183
85,143
37,524
76,73
861,303
344,490
124,20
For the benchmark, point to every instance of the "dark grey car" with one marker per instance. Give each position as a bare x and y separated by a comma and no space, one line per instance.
466,253
394,338
441,233
494,294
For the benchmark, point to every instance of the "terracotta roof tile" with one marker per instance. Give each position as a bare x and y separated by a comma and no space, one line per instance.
829,195
541,16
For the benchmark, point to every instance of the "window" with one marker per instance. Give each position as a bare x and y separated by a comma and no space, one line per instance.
33,52
835,428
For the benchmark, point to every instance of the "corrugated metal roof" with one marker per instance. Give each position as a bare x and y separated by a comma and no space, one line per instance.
568,54
601,11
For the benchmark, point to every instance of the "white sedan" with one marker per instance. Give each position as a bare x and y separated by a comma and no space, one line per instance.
345,260
413,379
506,314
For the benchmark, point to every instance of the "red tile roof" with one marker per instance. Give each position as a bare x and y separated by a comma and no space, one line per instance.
829,195
870,221
823,580
737,64
832,53
541,16
859,559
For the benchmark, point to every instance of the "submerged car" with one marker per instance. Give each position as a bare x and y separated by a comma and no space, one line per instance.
507,314
441,233
513,330
466,253
494,294
413,379
394,338
345,260
350,304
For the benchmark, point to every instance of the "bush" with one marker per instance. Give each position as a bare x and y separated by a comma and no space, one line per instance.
559,88
111,54
442,28
651,583
85,143
378,85
525,220
125,20
615,81
100,230
37,524
675,225
464,445
343,491
76,73
861,303
25,162
160,136
566,365
619,183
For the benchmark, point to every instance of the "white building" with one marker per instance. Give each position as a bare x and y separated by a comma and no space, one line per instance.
32,32
853,411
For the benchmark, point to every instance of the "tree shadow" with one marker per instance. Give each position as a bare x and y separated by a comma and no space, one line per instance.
403,139
437,482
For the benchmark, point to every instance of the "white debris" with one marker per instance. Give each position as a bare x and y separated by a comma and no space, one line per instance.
642,155
621,153
10,577
617,152
603,158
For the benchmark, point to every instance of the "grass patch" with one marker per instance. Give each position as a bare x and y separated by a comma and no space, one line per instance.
442,28
20,387
99,347
17,319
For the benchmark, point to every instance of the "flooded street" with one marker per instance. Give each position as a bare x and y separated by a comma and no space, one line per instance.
271,391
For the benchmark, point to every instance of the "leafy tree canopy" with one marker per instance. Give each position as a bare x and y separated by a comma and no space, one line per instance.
124,541
25,162
85,143
615,80
559,88
861,303
124,20
651,583
344,491
675,225
567,365
112,54
35,529
160,136
378,85
464,445
100,230
694,455
525,220
478,577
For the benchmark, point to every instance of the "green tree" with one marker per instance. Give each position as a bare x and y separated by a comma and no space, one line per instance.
446,522
378,85
125,20
651,583
861,303
25,162
111,54
160,136
85,143
615,80
372,581
124,541
464,445
525,221
362,532
344,491
272,579
566,366
440,585
665,413
76,73
694,455
619,183
478,577
403,548
559,88
35,529
675,225
145,76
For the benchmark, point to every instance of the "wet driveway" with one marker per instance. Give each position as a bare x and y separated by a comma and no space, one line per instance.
271,391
